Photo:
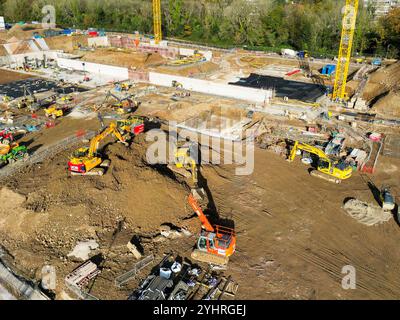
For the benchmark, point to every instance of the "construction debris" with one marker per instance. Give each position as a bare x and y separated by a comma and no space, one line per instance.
83,248
175,280
366,213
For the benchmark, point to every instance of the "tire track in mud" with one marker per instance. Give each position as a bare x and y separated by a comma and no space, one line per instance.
324,251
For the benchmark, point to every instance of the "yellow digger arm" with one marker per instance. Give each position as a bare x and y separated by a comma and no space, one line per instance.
194,170
94,143
305,147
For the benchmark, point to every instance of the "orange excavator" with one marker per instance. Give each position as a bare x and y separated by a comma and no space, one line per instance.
215,244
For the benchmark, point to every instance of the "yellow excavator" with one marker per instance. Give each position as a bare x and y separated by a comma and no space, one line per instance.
327,169
184,160
186,165
87,161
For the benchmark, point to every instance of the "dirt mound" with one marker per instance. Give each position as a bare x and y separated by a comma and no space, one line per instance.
3,51
131,190
16,31
66,43
201,68
388,105
125,58
46,212
382,81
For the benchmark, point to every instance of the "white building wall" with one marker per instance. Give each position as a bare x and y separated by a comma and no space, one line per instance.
101,69
42,44
98,42
213,88
20,58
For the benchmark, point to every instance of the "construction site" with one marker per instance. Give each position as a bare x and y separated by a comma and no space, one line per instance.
279,170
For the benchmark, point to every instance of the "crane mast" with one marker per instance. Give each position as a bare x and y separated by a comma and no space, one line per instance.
345,49
157,21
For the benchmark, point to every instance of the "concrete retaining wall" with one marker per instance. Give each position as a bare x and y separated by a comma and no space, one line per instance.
42,44
98,42
18,59
117,72
23,288
213,88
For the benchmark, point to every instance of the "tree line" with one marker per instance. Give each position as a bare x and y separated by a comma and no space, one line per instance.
313,25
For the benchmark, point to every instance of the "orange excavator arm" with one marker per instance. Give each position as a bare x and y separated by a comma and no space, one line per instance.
204,221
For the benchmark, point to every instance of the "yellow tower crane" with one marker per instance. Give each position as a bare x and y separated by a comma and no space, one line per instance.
157,21
346,44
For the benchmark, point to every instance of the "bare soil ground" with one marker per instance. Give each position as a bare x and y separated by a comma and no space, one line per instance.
9,76
293,236
388,105
382,89
190,70
123,58
66,43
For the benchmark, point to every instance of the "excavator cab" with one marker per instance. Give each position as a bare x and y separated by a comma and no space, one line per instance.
81,152
339,170
222,242
215,244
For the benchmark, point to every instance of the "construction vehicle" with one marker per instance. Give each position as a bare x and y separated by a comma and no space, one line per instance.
345,49
29,100
122,87
303,54
157,21
377,62
15,153
5,148
176,84
132,126
215,244
186,164
87,160
32,103
124,105
184,160
360,60
54,111
6,137
387,199
65,99
327,169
